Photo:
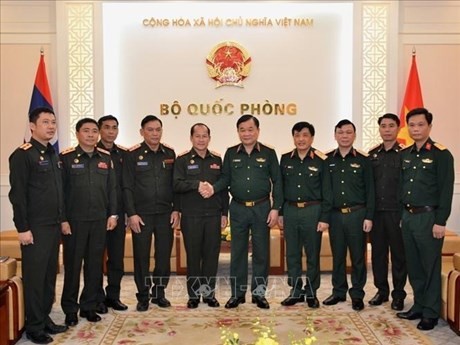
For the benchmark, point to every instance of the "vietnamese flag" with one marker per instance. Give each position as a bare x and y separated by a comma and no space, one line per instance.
412,99
41,96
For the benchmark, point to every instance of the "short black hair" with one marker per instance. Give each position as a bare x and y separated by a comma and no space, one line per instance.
342,123
390,116
35,113
149,118
420,111
104,118
192,129
247,117
81,122
301,125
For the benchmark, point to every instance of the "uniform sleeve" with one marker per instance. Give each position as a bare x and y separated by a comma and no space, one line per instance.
277,183
65,185
370,189
176,196
19,179
181,183
445,176
326,194
112,189
282,164
224,180
128,184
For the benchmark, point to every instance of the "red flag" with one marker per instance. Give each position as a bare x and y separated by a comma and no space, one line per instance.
41,96
412,99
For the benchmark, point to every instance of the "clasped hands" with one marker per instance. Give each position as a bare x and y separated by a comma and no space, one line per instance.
205,189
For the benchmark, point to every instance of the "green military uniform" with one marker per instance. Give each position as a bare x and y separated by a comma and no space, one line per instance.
353,202
37,198
90,197
148,193
200,219
307,201
386,231
251,178
427,190
115,239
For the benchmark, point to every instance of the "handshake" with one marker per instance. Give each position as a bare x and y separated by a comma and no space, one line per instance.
205,189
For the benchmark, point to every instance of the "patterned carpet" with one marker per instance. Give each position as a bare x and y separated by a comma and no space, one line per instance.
332,325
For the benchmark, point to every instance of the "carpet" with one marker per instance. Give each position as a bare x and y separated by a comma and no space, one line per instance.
178,325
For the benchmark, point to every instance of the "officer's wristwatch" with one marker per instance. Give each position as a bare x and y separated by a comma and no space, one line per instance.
115,216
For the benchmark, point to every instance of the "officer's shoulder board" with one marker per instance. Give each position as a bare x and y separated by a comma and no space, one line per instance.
401,146
68,150
320,155
103,151
440,146
215,153
374,147
135,147
288,153
168,146
363,153
25,146
122,148
183,153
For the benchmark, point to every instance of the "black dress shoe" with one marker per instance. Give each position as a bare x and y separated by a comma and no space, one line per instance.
52,328
291,300
261,302
397,304
427,323
192,303
39,337
71,319
378,299
115,304
409,315
234,302
357,304
212,302
313,302
101,308
142,306
90,315
162,302
332,300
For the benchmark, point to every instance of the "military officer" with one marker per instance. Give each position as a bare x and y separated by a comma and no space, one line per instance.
37,198
91,210
149,203
307,204
351,218
386,232
252,172
201,219
427,191
115,241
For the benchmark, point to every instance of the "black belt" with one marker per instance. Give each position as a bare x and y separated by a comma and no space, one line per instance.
349,209
302,204
251,203
419,209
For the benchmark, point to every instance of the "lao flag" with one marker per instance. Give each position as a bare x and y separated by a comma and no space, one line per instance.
412,99
41,97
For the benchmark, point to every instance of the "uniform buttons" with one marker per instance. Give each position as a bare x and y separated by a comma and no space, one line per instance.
249,167
298,186
343,193
411,180
343,170
415,167
298,198
342,181
249,178
408,192
249,191
300,174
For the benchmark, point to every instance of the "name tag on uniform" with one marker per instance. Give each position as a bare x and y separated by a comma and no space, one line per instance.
236,160
289,167
102,165
78,166
43,163
142,164
214,166
332,165
192,167
168,161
